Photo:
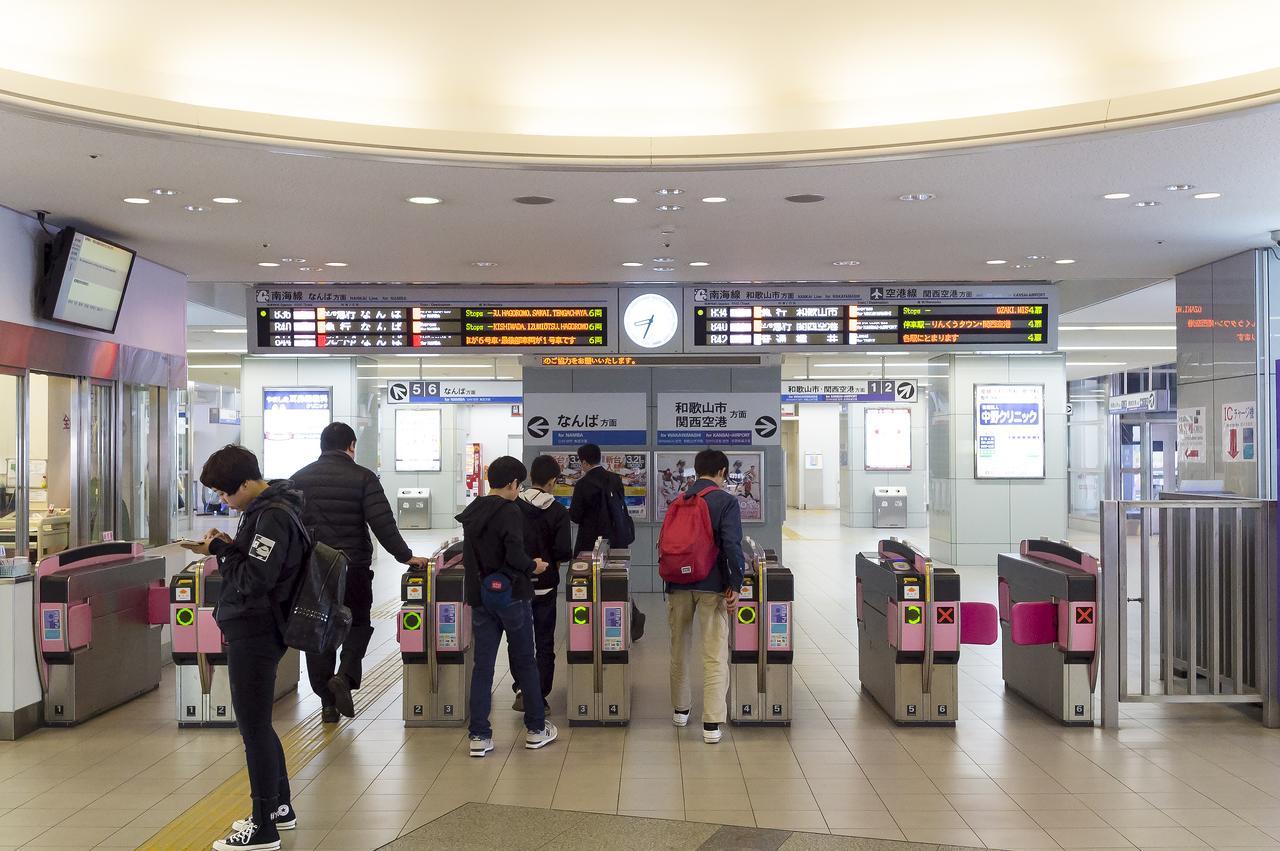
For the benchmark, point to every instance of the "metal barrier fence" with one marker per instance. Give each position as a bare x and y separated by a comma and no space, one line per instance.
1206,620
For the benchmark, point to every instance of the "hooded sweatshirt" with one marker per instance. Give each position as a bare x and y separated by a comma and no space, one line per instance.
493,540
546,536
261,566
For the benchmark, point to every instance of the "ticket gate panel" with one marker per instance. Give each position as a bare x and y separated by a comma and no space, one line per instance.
598,602
761,642
434,633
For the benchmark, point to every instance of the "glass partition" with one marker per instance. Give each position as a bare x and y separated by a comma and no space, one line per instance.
101,461
10,482
140,463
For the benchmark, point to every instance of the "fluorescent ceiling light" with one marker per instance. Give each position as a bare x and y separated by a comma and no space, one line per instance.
215,351
1117,348
626,200
268,264
422,199
225,199
231,330
1117,327
699,263
1199,196
996,262
632,263
136,200
714,199
1094,363
335,263
1116,196
195,208
1064,262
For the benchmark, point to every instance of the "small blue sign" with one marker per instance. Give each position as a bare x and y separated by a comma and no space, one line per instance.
1009,413
603,437
704,438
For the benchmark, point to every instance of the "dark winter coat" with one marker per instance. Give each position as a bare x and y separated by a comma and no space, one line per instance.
343,502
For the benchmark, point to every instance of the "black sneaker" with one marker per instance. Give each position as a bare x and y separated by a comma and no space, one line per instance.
518,703
329,714
284,818
250,838
341,691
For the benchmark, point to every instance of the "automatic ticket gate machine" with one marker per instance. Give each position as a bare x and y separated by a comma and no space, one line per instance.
98,628
1049,608
598,602
434,632
199,657
911,623
760,642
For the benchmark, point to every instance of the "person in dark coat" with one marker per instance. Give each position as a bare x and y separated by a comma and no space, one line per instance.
587,507
342,502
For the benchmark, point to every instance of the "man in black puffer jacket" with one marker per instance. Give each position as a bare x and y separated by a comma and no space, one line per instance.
343,501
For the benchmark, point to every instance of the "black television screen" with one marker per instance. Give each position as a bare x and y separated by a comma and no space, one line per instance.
85,281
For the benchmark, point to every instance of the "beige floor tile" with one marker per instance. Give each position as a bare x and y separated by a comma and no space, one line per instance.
858,802
670,815
1137,818
978,803
1088,837
940,820
1162,837
34,818
1234,837
650,794
20,834
1040,803
910,802
357,840
742,818
357,819
101,818
1066,818
704,799
1000,820
129,837
1118,801
892,834
1016,838
942,836
804,820
382,803
71,837
785,801
538,798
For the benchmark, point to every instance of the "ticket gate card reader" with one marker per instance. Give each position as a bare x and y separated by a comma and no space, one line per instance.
99,647
434,632
760,642
598,602
911,623
1049,608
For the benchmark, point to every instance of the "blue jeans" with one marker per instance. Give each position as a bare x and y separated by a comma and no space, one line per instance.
487,627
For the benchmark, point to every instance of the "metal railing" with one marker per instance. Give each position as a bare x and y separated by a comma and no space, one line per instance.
1204,629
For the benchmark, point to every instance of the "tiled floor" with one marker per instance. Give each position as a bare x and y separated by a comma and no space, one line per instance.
1004,777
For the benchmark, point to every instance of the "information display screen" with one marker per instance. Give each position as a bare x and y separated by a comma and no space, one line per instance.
418,443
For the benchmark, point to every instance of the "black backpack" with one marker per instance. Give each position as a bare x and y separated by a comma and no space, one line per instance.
318,621
621,527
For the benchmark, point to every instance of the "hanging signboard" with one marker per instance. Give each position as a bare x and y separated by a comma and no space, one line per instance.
1152,401
572,419
435,392
718,419
1008,431
1239,431
857,392
1192,435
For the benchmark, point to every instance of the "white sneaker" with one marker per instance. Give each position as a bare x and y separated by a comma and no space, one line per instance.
680,719
542,738
711,736
285,819
480,745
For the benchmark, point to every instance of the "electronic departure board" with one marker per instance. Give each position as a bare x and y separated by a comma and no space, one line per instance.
944,317
403,319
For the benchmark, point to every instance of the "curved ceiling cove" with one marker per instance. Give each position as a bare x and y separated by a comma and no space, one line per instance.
668,82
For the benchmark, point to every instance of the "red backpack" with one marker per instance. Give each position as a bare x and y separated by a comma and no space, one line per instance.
687,550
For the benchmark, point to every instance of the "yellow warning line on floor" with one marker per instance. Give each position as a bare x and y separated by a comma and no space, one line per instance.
211,818
791,534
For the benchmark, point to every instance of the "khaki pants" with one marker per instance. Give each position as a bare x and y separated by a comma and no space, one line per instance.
712,616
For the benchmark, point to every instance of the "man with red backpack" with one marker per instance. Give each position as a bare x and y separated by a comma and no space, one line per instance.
700,561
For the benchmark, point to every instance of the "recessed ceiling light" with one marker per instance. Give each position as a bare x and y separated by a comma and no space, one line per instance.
268,264
136,200
484,264
1064,262
664,268
668,208
626,200
632,263
335,263
1199,196
1022,265
231,330
195,208
1116,196
1034,257
165,192
308,268
293,260
226,199
1179,187
663,260
714,199
846,262
1146,203
534,199
422,199
665,192
917,196
699,263
806,199
996,262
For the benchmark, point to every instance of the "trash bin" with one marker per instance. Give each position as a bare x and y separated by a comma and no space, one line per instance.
413,508
889,508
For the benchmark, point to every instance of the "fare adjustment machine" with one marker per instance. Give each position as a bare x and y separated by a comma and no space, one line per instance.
1049,608
911,624
598,602
434,631
760,642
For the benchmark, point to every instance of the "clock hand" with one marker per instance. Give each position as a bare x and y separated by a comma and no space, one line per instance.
647,323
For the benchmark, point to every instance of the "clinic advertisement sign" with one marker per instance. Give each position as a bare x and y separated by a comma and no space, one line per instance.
719,419
871,391
1008,431
572,419
434,392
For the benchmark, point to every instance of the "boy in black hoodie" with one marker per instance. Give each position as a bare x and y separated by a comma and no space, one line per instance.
499,589
546,536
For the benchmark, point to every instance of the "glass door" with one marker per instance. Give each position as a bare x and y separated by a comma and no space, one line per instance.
13,508
99,496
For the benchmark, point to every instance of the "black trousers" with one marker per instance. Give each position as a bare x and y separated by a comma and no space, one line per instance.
322,666
544,640
251,669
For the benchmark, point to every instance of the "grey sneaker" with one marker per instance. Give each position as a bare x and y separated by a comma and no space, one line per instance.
541,738
481,745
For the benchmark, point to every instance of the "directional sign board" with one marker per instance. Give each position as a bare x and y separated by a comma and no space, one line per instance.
719,419
1239,431
572,419
850,392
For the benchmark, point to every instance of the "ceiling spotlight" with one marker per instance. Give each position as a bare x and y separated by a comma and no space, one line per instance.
626,200
136,200
164,192
195,208
664,268
1146,203
422,199
226,199
632,263
1116,196
268,264
666,192
293,260
917,196
806,199
534,200
663,260
484,264
1022,265
714,199
1064,262
1034,257
1179,187
335,263
996,262
668,208
308,268
846,262
699,263
1199,196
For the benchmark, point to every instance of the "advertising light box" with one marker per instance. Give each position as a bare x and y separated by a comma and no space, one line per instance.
418,440
887,439
292,419
1008,431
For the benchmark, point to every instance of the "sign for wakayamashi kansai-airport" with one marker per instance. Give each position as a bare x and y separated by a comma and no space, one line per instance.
855,392
719,419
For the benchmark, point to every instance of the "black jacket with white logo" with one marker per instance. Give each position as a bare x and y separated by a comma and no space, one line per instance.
261,567
546,536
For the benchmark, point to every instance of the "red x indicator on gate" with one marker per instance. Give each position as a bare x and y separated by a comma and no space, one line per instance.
1084,614
946,614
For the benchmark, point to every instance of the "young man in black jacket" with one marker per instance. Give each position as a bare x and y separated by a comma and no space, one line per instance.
587,508
546,536
259,567
499,588
343,502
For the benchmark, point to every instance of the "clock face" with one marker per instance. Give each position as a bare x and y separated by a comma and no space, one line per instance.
651,321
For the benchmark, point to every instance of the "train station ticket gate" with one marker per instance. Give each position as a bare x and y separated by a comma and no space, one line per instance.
98,635
1049,609
199,657
760,642
911,623
598,603
434,632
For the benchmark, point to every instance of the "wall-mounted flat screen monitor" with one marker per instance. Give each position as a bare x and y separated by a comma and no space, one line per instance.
85,281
